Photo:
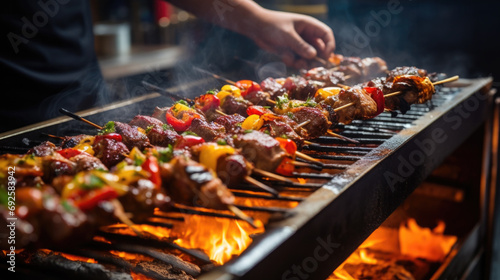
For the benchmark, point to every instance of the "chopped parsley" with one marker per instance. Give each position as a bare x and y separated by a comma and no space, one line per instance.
183,102
166,127
68,206
290,115
212,91
165,154
149,128
310,103
282,100
266,107
284,136
248,131
267,132
108,128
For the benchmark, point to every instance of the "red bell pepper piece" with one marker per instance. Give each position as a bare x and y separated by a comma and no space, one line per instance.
151,166
180,125
378,96
247,86
113,136
188,141
69,152
257,110
207,102
286,167
93,197
288,145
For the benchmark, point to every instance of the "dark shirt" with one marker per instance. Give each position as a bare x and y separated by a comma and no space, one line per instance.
47,60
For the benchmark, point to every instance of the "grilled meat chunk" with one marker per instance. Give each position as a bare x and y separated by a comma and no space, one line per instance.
145,121
45,149
158,133
131,136
233,169
56,165
232,105
405,71
110,152
328,76
261,149
300,88
190,183
274,88
71,141
86,162
364,106
142,199
160,113
258,97
230,123
373,67
415,90
207,131
318,121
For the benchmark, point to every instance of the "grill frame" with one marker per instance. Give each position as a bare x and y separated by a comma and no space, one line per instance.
329,213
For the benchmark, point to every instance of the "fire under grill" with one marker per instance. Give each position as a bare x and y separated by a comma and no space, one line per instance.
334,208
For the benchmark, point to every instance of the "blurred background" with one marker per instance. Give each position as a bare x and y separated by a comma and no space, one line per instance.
151,40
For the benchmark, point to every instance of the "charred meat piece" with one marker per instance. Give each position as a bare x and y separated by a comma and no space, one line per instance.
160,113
43,220
300,88
71,141
274,88
158,133
258,97
45,149
232,105
142,199
109,151
207,131
233,169
329,77
405,71
261,149
56,165
190,183
145,121
415,90
230,123
364,106
318,121
86,162
373,67
131,136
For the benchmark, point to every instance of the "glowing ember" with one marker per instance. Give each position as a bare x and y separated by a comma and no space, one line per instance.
69,256
131,256
421,242
220,238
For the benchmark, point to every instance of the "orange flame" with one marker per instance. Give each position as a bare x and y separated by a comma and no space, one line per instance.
419,242
220,238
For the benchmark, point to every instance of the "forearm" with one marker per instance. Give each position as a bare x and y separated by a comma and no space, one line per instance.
236,15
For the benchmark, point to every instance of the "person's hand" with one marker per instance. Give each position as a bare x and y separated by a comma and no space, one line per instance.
296,38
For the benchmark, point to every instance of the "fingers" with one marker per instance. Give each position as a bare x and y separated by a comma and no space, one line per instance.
301,47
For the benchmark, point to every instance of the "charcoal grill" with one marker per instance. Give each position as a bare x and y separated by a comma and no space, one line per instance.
338,207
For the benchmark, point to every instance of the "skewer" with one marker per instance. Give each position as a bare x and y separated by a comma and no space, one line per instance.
393,94
301,164
451,79
303,124
215,75
271,101
309,158
331,133
78,118
53,136
261,185
271,175
343,106
122,216
220,112
308,142
322,61
241,215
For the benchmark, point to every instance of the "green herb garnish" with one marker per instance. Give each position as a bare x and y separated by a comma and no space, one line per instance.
149,128
189,133
222,142
108,128
310,103
282,100
165,154
92,182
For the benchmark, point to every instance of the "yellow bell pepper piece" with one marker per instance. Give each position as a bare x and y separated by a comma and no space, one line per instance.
178,108
235,91
222,95
210,153
324,93
252,122
85,145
